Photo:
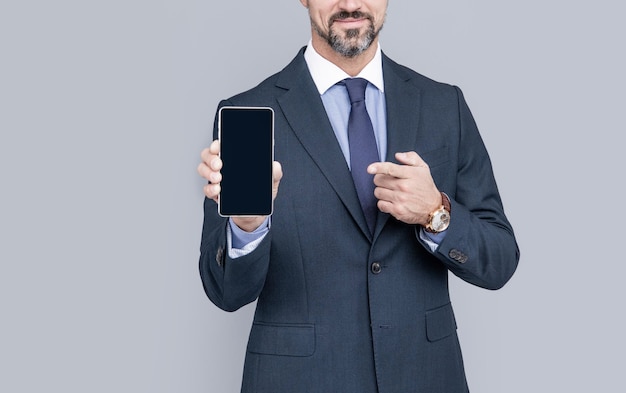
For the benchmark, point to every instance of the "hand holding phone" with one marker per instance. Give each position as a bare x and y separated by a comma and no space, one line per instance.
209,168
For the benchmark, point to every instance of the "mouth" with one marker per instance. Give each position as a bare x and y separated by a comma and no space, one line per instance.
350,19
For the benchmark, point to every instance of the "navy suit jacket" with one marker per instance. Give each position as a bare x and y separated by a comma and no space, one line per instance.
325,321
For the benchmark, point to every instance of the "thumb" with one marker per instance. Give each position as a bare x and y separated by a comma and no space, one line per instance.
277,171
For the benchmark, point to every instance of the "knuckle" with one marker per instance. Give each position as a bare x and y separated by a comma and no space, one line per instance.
400,198
402,187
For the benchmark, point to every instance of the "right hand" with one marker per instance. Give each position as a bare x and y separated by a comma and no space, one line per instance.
210,168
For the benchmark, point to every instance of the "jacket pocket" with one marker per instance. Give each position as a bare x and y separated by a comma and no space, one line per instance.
440,323
436,157
282,339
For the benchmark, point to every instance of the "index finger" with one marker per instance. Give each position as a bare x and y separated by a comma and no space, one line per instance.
214,148
387,168
209,152
410,158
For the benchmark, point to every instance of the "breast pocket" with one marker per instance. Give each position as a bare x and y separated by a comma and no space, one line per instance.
436,157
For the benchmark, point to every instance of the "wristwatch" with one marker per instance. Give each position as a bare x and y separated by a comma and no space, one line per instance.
439,220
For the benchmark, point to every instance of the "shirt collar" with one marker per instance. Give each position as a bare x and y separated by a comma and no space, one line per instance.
326,74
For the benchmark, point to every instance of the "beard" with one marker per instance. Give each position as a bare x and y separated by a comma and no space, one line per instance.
352,42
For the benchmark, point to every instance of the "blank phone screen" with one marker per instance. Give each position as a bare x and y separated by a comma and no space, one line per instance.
247,152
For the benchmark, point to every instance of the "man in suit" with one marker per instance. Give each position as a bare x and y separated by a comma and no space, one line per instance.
351,272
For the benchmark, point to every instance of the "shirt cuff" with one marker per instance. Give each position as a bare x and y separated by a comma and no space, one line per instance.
432,240
240,242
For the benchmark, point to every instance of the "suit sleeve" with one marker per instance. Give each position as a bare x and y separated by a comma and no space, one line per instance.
229,283
479,246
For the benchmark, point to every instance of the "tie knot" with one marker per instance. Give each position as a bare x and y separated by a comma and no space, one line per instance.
356,89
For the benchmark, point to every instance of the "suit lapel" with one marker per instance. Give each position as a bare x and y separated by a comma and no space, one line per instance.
305,113
403,109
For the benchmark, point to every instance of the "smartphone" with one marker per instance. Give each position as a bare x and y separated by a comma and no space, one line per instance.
246,137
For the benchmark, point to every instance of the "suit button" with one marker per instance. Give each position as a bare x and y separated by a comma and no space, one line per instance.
457,256
376,268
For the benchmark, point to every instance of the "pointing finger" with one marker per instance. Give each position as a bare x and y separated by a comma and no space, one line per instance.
380,168
386,168
410,158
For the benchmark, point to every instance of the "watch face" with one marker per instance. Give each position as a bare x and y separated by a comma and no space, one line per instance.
440,221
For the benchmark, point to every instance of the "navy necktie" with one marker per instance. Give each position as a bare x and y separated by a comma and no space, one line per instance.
363,149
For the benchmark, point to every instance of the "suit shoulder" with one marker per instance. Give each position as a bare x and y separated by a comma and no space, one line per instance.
275,85
261,92
420,80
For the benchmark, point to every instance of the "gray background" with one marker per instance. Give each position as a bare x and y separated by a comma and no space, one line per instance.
105,106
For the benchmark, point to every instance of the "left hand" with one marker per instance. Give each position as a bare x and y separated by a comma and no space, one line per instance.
406,191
